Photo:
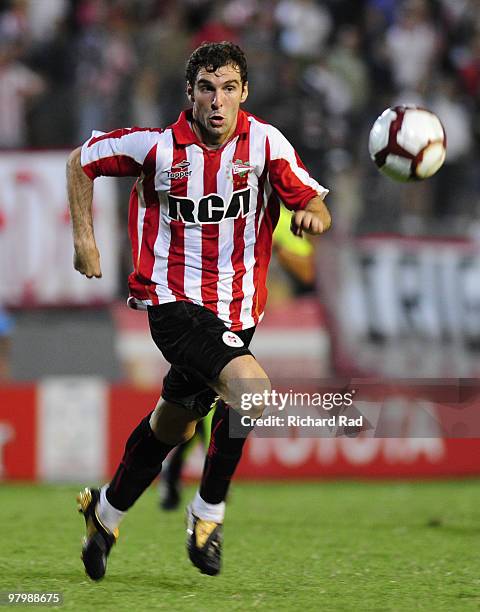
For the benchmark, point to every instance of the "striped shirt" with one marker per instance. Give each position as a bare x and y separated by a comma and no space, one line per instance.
201,220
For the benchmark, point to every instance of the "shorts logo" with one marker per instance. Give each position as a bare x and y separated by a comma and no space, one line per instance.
232,339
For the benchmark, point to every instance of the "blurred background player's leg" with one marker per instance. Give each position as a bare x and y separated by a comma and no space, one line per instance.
295,254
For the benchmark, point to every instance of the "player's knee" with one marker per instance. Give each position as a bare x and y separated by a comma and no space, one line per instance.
171,426
244,385
249,396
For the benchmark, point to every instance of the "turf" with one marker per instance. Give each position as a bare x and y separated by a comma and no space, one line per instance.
289,546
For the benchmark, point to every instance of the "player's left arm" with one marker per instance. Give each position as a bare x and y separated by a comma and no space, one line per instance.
314,219
298,191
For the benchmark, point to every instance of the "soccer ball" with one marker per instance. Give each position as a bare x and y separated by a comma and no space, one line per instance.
407,143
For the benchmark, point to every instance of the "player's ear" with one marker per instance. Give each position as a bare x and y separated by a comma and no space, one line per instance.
244,92
190,93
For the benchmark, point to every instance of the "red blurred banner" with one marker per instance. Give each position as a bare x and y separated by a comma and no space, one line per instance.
18,433
22,416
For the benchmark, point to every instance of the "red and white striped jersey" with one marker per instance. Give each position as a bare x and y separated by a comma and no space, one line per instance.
201,220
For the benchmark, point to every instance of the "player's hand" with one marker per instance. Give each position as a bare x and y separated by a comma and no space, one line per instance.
307,221
86,260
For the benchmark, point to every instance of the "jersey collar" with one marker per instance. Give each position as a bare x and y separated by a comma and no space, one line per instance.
184,135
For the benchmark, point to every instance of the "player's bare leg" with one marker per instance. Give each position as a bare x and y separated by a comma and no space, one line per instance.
172,423
206,513
170,485
146,448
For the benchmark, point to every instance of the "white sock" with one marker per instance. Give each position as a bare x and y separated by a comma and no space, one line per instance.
206,511
109,516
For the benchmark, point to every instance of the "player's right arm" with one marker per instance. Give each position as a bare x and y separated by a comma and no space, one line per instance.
80,196
119,153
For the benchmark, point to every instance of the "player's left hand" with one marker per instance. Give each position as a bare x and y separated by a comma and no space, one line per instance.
313,219
307,221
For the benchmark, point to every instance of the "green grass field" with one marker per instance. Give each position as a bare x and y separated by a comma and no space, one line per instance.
289,546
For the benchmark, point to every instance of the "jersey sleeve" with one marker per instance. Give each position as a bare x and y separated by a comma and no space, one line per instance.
118,153
288,176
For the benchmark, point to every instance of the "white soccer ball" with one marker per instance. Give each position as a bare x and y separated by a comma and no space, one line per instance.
407,143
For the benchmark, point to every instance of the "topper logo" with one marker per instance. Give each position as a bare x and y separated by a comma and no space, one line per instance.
179,171
181,165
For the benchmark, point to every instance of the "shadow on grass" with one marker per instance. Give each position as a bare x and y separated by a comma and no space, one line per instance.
451,528
128,581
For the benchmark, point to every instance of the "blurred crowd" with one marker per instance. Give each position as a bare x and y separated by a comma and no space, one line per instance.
320,70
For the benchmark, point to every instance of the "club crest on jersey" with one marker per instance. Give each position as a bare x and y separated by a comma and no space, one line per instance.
231,339
211,208
242,168
179,170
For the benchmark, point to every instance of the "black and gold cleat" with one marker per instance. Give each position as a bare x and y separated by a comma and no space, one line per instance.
98,540
204,543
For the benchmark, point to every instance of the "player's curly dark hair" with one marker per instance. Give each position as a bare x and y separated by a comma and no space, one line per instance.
212,56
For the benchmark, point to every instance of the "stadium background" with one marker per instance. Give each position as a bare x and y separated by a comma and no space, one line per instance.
396,296
396,293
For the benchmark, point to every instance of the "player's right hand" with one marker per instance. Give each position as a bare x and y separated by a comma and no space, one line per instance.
86,260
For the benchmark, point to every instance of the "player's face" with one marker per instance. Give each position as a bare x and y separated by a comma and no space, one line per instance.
216,98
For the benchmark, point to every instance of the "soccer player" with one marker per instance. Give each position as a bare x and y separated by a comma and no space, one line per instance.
202,212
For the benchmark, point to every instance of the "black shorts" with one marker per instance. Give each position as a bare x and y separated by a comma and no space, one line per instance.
198,346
